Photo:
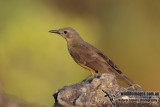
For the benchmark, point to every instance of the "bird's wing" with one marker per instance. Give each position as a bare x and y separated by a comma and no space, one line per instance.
85,55
109,61
100,55
102,63
119,74
92,57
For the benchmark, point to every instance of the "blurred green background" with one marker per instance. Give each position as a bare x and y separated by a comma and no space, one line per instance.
34,63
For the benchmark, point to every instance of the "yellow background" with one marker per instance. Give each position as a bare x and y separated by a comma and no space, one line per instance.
34,63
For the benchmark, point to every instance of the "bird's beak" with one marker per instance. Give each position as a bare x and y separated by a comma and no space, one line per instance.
54,31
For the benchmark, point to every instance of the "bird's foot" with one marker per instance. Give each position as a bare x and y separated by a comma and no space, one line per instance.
96,75
86,79
90,77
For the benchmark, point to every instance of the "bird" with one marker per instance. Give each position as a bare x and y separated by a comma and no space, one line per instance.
88,56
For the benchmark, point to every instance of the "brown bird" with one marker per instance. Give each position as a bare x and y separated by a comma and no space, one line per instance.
88,56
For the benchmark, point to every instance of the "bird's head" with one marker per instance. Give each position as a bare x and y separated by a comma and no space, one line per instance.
68,33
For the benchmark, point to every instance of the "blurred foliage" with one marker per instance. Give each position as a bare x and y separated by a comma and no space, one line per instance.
34,63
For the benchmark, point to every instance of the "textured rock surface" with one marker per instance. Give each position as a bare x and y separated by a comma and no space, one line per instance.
90,94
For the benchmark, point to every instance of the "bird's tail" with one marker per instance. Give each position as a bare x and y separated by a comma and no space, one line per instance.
126,80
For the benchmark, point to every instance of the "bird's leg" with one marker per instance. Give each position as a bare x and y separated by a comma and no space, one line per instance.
95,75
88,77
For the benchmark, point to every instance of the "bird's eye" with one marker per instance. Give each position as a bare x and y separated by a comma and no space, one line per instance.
65,32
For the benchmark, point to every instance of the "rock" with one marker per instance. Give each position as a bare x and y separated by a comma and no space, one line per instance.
102,91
